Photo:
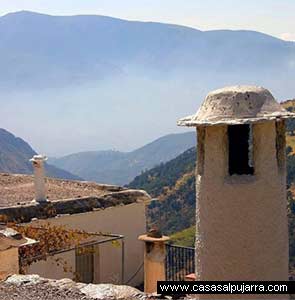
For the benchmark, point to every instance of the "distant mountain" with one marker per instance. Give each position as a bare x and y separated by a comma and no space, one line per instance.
120,168
124,76
53,50
15,154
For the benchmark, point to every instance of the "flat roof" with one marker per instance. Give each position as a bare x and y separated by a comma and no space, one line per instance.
11,238
17,189
65,197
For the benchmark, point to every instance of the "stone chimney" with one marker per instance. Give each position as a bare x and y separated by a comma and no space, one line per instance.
241,213
39,177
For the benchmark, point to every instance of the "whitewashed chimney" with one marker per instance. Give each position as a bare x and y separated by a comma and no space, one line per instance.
39,177
241,214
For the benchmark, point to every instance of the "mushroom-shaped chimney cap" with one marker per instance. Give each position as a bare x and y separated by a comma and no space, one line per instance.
237,105
39,158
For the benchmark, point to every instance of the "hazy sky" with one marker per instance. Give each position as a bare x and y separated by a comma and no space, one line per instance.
275,17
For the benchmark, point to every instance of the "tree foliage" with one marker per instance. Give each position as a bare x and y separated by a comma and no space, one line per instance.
50,239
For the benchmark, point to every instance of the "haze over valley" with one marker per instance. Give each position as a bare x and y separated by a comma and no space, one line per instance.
89,83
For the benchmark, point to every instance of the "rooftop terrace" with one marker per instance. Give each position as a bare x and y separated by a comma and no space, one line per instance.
66,197
19,189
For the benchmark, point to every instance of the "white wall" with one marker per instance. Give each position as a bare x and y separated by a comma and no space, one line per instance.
53,267
128,220
241,220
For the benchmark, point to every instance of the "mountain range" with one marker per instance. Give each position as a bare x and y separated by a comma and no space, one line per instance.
15,154
105,82
66,49
121,167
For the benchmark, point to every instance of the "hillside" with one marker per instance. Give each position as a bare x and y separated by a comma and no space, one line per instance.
110,83
185,238
121,167
15,154
173,186
290,106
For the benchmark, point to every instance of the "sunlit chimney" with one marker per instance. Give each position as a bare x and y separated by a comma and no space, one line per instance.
39,177
241,211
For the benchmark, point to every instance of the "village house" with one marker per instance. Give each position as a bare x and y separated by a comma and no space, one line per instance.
115,214
10,242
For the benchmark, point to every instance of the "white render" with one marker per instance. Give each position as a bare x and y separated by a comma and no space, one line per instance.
242,231
39,177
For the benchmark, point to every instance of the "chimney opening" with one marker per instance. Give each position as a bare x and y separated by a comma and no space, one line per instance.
240,149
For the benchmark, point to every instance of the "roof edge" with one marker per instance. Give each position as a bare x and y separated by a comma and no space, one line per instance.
190,122
46,210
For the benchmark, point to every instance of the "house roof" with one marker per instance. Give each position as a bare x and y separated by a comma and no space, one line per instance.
18,189
237,105
66,197
10,238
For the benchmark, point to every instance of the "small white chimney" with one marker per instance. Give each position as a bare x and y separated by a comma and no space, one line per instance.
39,177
